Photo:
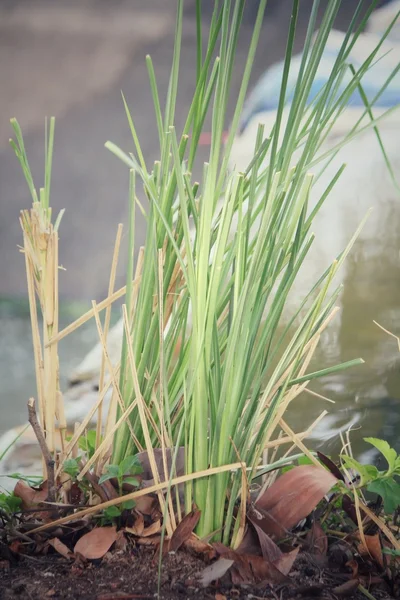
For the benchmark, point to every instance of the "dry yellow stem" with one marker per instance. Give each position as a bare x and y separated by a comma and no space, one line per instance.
41,260
143,421
106,443
107,318
90,313
83,426
110,366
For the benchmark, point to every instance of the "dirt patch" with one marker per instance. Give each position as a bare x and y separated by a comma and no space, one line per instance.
133,573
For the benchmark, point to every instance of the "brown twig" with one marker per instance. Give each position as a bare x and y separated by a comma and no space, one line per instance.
51,496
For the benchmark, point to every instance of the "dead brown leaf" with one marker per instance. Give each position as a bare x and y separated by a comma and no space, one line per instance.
285,562
96,543
121,543
215,571
199,546
346,589
138,526
373,549
294,496
353,565
333,468
255,569
317,541
145,504
184,530
61,548
220,597
350,509
250,543
249,568
269,549
144,531
221,549
30,497
151,529
155,540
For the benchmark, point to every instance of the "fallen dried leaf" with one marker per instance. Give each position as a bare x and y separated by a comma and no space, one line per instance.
61,548
30,497
144,532
353,565
248,568
145,504
346,589
138,526
285,562
96,543
220,597
294,496
250,543
155,540
269,549
75,494
184,530
221,549
121,542
215,571
317,541
349,508
255,569
199,546
334,469
374,548
151,529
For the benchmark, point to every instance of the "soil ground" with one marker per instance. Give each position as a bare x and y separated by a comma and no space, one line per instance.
134,574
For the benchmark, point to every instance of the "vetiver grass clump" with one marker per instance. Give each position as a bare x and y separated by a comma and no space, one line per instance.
210,360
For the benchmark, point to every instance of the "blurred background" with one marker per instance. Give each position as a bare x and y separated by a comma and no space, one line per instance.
71,59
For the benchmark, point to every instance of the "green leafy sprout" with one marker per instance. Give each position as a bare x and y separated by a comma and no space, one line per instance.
384,483
9,504
124,472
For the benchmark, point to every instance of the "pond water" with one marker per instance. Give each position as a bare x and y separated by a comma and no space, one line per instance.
17,369
367,397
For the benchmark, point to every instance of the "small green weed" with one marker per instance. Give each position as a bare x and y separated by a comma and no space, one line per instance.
129,466
114,512
383,483
87,442
9,504
71,467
